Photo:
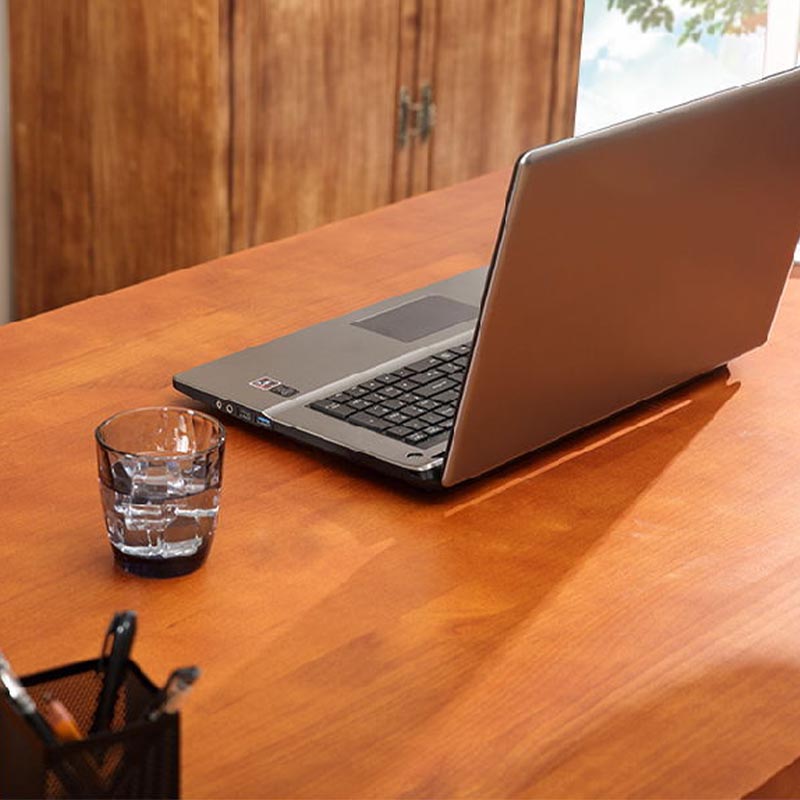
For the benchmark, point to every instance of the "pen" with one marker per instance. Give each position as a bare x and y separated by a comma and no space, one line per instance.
77,777
167,701
174,692
23,702
114,662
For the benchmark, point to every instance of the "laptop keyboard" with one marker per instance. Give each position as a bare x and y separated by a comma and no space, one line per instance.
415,404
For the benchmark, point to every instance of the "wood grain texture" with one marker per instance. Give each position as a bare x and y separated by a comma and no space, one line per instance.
495,78
615,616
420,167
567,67
415,71
119,149
315,85
409,29
152,135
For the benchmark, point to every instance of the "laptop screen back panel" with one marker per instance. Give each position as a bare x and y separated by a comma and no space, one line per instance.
631,260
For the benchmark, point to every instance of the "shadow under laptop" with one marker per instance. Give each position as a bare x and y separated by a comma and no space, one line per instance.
389,651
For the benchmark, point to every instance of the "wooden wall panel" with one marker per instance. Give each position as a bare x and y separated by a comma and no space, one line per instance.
567,67
51,153
420,178
495,80
415,69
154,134
407,57
120,152
315,84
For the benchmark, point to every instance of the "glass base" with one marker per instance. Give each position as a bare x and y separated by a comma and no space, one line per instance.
160,567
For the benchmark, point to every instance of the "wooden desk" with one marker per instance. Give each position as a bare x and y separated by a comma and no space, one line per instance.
616,616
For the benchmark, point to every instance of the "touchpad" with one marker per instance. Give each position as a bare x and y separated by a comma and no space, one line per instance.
419,318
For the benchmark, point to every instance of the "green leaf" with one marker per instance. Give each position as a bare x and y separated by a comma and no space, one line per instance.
713,17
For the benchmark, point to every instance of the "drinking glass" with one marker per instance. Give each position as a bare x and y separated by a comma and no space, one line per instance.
160,473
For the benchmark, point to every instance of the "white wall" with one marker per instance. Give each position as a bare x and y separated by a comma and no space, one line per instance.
783,31
783,44
5,171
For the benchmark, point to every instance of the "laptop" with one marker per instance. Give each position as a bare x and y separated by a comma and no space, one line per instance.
628,261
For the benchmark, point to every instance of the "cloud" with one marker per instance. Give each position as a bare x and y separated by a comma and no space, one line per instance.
626,72
608,33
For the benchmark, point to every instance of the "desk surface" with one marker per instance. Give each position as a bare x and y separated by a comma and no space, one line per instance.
618,615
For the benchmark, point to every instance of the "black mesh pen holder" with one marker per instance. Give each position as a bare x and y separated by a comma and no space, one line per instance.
136,757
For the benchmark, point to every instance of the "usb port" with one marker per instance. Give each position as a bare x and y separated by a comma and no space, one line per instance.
245,414
262,420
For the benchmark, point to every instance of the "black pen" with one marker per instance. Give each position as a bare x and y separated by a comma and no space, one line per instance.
114,662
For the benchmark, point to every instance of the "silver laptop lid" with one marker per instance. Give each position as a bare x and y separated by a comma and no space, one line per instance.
631,260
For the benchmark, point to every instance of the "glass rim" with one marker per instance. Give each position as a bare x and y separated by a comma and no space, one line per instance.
219,427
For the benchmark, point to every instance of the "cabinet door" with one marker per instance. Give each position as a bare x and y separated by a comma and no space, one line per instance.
504,78
314,85
119,144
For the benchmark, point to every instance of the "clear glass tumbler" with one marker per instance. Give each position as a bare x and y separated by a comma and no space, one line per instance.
160,472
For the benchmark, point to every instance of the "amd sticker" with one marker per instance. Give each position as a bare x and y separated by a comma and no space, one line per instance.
265,383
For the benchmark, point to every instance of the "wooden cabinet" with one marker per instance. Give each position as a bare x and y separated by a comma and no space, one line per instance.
119,144
313,99
494,77
149,135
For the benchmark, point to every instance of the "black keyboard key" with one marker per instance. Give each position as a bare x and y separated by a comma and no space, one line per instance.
448,397
365,420
359,404
449,369
333,409
431,389
426,377
399,432
395,404
415,404
424,439
424,364
415,424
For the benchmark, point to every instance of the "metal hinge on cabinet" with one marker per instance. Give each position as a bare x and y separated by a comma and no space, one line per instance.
424,113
